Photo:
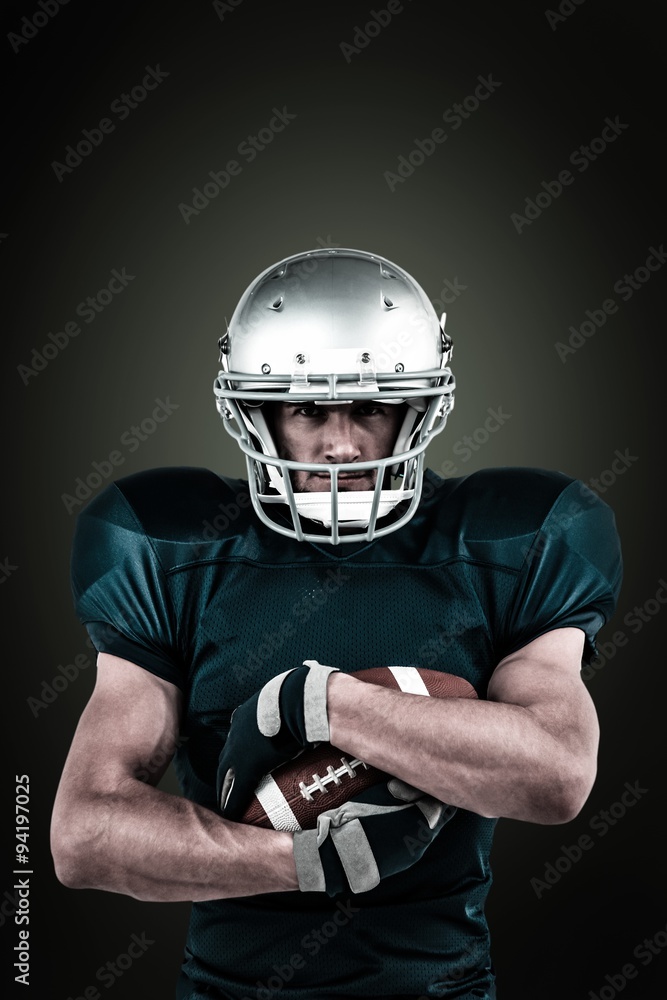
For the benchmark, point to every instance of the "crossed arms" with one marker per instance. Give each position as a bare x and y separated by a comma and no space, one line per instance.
529,752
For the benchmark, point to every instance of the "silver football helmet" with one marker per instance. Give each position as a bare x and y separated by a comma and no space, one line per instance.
332,326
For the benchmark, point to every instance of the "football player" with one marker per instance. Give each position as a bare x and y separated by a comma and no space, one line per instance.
230,618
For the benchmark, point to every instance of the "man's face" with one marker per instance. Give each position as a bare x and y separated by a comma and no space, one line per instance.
335,433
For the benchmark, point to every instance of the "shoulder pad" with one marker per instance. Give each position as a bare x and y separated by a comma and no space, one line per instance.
180,509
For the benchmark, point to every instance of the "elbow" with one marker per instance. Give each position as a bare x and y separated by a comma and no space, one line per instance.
72,850
71,861
67,863
564,808
69,873
564,795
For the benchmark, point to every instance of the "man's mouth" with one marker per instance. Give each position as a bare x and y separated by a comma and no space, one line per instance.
342,476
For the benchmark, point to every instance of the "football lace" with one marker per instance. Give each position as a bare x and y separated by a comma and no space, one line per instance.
333,776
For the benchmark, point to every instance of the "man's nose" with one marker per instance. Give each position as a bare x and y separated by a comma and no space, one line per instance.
340,439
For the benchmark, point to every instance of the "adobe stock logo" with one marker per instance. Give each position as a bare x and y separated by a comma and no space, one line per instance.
635,620
581,158
600,824
221,8
131,439
625,288
6,569
122,107
565,9
249,148
645,952
454,117
65,674
311,944
113,969
88,309
379,19
30,26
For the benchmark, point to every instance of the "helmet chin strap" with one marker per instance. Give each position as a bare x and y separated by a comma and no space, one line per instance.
259,428
354,506
409,428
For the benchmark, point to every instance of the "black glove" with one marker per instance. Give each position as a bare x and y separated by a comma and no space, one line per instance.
274,725
384,830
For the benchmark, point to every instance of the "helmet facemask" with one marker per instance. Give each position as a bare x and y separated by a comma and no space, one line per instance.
360,366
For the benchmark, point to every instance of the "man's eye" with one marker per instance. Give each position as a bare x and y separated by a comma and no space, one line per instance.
309,411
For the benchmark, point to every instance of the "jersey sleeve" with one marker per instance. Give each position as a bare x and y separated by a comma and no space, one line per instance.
571,574
120,590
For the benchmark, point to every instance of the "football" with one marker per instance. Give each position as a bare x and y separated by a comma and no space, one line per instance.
322,777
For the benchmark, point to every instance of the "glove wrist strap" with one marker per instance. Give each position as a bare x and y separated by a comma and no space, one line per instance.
314,703
309,870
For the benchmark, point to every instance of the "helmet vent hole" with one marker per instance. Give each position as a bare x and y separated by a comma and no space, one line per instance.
388,302
278,304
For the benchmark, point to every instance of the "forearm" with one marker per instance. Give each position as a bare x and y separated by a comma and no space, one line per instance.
492,758
154,846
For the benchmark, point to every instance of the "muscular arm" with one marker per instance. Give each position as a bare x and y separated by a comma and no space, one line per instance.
111,830
529,752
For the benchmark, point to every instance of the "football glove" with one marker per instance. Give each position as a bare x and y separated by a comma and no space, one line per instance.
274,725
381,832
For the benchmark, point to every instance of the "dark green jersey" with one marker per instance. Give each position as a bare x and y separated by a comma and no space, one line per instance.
173,570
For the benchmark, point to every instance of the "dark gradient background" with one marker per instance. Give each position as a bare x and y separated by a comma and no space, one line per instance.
322,180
